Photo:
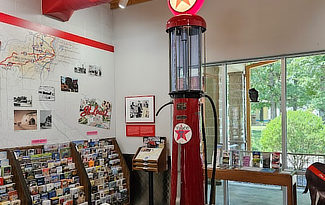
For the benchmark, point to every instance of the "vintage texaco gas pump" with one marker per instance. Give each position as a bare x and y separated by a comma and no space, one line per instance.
185,35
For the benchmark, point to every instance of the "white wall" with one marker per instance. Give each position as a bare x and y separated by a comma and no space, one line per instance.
94,23
235,30
141,63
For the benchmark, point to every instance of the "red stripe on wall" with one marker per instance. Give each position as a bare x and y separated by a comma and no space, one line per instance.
5,18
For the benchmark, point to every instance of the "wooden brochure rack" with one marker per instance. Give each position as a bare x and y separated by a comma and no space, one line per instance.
19,180
18,157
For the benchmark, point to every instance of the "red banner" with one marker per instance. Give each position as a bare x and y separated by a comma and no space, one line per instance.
140,130
40,141
92,133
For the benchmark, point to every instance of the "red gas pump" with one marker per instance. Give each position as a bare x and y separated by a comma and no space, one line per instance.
185,32
185,39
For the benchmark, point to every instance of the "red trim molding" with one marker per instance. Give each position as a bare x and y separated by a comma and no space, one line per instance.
5,18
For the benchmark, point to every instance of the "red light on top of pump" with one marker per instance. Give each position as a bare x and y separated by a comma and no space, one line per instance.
178,7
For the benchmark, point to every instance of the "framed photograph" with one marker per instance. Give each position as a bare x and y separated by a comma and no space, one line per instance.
140,109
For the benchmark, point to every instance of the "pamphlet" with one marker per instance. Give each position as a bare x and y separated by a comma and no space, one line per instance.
146,154
256,158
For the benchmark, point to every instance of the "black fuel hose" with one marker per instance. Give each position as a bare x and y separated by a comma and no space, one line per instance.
169,103
205,157
213,180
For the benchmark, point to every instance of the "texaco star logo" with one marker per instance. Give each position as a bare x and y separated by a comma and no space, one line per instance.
182,5
182,133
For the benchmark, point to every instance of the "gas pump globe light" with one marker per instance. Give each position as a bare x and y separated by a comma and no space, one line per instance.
178,7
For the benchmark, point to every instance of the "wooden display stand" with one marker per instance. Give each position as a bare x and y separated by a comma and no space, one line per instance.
150,160
21,185
23,189
159,164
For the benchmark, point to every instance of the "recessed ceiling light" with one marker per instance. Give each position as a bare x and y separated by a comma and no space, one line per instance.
123,3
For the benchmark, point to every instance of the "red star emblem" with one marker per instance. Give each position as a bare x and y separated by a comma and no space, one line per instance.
185,1
181,134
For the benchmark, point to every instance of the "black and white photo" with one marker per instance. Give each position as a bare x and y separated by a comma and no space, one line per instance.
140,109
23,101
95,70
80,69
46,93
46,119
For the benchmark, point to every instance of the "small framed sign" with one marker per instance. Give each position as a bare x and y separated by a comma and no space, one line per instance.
140,109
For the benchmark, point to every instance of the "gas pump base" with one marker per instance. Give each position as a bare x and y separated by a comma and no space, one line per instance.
186,149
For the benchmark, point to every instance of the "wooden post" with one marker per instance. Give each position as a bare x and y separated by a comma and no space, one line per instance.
248,109
84,180
18,178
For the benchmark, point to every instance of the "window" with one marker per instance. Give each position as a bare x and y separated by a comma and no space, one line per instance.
305,110
248,125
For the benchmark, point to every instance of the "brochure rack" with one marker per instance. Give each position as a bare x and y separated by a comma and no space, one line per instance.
50,174
19,158
19,180
106,170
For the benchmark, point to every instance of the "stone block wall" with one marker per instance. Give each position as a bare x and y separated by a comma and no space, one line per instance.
236,99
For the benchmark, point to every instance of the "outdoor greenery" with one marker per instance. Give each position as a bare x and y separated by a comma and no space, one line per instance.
305,84
267,81
305,131
256,138
305,105
305,134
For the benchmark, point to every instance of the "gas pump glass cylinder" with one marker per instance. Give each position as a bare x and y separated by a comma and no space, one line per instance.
185,58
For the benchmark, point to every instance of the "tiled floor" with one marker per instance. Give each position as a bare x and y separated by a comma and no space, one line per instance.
254,194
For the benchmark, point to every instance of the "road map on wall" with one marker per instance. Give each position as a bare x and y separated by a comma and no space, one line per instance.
32,63
32,53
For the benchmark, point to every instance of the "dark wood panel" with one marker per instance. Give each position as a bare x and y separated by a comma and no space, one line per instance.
125,167
19,180
84,180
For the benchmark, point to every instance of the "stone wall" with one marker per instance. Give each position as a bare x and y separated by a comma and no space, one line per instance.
236,92
213,89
